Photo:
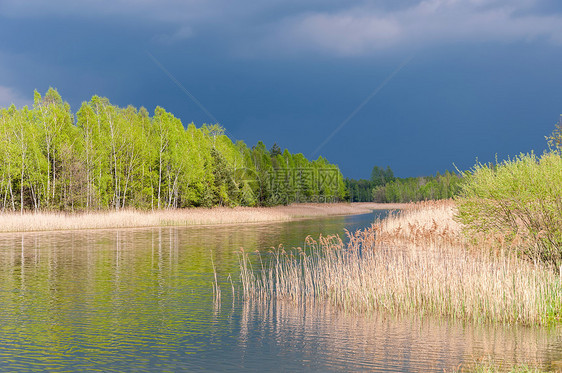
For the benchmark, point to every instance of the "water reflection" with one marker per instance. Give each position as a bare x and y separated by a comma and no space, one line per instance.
329,339
141,299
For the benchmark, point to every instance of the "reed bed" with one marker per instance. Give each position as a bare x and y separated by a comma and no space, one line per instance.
414,261
47,221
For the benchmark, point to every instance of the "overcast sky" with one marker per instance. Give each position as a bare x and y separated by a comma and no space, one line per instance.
416,85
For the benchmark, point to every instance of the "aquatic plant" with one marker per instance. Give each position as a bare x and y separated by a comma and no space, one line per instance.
416,261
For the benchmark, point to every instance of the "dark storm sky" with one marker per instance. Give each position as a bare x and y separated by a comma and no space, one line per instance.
449,81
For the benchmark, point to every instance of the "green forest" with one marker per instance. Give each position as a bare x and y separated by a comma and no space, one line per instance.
383,187
107,157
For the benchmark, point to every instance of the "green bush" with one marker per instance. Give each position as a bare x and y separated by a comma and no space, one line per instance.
520,200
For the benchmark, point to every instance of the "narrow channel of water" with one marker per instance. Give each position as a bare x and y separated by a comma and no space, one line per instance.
141,300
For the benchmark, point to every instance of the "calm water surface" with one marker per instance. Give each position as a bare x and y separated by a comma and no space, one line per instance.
141,300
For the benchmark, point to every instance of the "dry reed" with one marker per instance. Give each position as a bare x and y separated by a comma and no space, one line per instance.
414,261
47,221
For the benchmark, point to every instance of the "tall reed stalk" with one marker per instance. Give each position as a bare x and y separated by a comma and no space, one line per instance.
414,261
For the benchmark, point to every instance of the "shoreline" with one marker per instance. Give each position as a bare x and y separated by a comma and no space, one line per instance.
61,221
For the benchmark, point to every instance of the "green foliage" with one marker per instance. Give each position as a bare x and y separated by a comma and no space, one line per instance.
385,187
275,150
519,199
380,177
555,138
415,189
109,157
359,190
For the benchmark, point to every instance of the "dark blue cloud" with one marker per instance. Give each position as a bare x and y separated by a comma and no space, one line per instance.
268,72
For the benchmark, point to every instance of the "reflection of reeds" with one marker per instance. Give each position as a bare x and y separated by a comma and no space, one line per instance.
489,365
45,221
377,342
216,287
413,261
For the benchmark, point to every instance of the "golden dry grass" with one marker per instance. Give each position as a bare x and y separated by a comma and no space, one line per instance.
46,221
413,261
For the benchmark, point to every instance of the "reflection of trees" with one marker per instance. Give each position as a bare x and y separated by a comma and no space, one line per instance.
382,342
119,295
110,294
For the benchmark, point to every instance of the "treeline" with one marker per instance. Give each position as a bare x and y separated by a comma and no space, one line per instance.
107,157
383,187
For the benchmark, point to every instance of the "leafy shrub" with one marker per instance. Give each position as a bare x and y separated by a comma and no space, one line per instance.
520,200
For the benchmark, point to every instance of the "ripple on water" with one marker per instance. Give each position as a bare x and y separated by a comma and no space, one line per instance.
141,300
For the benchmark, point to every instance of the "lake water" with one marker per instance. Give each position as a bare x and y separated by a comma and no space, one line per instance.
142,300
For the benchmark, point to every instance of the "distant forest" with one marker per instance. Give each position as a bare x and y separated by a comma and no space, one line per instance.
383,186
107,157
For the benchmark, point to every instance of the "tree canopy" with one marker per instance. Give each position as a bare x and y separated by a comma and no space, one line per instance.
385,187
108,157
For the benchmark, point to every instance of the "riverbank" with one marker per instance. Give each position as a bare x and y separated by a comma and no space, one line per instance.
416,261
51,221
